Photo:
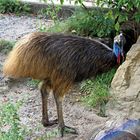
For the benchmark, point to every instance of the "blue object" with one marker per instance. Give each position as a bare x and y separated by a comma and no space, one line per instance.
116,49
121,131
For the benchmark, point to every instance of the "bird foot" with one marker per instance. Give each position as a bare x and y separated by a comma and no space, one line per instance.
49,123
67,129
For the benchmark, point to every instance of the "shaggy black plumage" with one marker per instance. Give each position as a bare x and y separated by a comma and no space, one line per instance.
59,61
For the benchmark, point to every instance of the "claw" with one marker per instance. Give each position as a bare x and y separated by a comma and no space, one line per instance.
49,123
67,129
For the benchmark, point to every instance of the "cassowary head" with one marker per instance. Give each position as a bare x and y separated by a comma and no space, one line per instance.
118,45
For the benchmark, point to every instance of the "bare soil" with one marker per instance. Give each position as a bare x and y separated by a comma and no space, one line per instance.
76,114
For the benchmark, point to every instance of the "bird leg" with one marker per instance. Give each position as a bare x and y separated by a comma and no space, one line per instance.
61,125
44,96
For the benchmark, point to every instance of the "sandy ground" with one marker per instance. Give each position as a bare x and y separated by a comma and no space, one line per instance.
13,27
77,115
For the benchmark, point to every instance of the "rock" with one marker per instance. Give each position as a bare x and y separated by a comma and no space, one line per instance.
126,83
125,90
127,76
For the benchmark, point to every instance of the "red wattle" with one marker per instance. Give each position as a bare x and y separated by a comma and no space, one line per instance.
119,59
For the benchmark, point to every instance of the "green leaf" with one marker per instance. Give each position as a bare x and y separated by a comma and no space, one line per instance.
61,1
117,26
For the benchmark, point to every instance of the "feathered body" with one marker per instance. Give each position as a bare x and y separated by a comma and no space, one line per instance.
58,57
59,60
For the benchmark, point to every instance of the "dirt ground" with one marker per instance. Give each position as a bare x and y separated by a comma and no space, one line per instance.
76,114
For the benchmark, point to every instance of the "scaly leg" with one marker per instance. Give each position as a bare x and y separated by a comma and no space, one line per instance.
61,125
45,87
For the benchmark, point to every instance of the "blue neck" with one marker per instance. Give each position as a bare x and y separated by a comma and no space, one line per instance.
116,49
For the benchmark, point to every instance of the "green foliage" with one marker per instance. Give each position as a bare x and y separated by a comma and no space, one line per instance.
97,89
6,46
60,27
13,6
51,11
119,12
122,10
33,83
10,127
42,28
92,23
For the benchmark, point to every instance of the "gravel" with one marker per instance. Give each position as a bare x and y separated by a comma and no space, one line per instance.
13,27
75,113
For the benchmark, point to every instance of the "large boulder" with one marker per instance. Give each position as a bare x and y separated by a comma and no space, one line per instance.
126,83
125,102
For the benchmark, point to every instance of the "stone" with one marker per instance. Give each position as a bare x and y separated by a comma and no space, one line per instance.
127,77
125,90
126,82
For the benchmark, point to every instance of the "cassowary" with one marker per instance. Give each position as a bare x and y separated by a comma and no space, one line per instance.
59,61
